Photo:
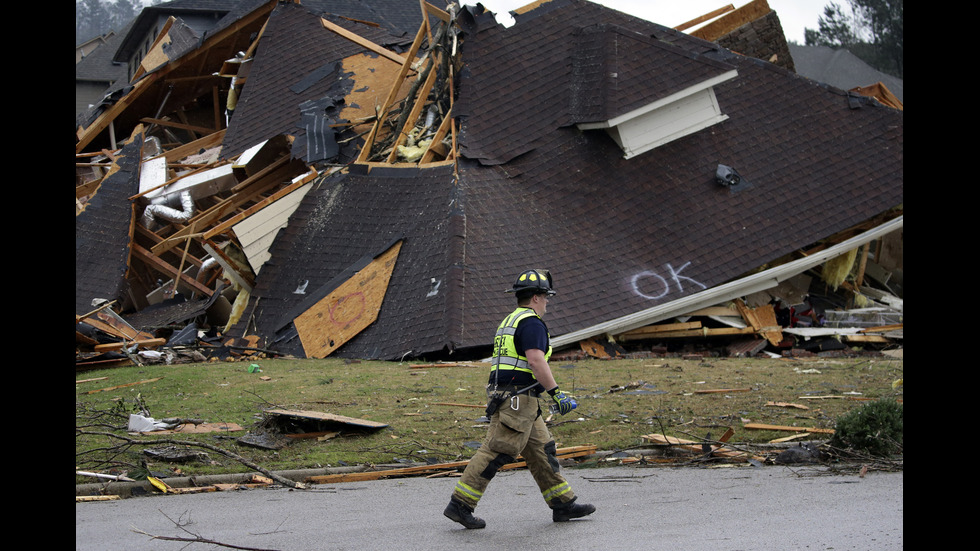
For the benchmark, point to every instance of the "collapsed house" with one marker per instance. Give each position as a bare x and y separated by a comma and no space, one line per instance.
309,180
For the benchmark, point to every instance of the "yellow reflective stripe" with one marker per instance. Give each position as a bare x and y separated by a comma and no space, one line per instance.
509,364
556,491
469,491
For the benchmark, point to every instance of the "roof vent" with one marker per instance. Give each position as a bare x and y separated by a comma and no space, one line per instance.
727,176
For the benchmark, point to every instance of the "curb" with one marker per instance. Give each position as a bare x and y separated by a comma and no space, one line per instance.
143,487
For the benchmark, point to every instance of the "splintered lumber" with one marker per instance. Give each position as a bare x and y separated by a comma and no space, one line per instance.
361,41
143,343
651,330
164,267
733,20
79,499
693,446
191,148
393,93
706,17
265,181
763,426
762,320
786,405
563,453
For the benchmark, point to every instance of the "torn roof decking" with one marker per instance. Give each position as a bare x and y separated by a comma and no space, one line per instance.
191,75
302,62
620,235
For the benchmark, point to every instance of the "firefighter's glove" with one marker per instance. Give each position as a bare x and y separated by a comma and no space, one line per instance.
563,403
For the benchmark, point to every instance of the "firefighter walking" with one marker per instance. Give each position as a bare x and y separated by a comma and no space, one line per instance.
519,375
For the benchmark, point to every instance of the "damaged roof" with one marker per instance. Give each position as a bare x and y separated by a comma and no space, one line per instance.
543,176
619,235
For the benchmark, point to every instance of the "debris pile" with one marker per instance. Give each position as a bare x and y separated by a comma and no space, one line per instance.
202,222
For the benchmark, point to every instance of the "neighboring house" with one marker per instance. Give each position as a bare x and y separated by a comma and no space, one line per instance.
87,47
652,172
841,68
95,73
114,64
198,17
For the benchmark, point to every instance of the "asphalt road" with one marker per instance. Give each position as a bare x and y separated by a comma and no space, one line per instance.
638,508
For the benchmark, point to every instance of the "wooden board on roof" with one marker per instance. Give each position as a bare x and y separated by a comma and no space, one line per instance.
349,309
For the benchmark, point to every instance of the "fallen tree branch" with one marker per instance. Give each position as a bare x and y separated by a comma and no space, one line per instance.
235,456
199,539
196,538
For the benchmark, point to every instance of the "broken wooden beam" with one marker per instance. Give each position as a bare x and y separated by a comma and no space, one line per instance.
144,343
563,453
696,447
162,266
733,20
763,426
361,41
706,17
763,321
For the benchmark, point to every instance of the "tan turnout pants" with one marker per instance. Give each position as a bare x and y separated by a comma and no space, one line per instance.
516,428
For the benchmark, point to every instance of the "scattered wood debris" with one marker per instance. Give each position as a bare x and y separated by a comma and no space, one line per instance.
438,468
786,405
81,499
763,426
702,448
255,481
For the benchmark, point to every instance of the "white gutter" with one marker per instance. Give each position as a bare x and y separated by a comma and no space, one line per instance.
728,291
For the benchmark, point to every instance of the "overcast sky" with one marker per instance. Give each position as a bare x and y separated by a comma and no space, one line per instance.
794,15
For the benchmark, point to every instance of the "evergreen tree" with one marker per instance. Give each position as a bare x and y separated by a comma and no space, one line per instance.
873,31
97,17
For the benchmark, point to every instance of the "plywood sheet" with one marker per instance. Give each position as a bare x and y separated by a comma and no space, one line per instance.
348,310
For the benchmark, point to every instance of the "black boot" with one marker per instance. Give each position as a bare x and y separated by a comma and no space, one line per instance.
462,514
570,510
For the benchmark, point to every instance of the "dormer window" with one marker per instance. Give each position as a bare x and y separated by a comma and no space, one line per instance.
639,108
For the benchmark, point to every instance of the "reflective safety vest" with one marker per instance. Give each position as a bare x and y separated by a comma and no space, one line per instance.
505,354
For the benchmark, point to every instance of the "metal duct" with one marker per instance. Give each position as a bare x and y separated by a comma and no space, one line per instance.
169,213
207,265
